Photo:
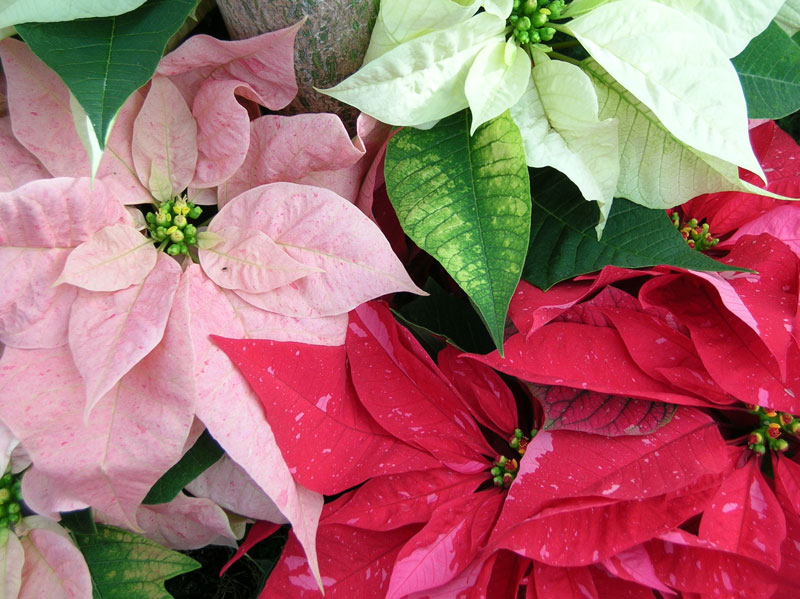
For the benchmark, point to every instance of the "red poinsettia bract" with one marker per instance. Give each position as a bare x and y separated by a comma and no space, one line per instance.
725,343
454,501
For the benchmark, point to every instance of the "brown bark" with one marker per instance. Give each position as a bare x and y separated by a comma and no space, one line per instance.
329,47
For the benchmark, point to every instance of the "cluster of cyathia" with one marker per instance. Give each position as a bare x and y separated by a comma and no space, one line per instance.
10,499
169,225
529,20
769,433
696,235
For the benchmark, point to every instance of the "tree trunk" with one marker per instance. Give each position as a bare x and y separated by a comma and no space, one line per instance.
329,47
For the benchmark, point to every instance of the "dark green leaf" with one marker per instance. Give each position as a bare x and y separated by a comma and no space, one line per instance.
79,521
465,200
769,69
128,566
450,317
194,462
104,60
564,242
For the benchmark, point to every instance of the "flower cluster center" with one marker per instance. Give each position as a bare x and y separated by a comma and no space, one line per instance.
530,20
697,236
504,469
10,499
169,225
769,432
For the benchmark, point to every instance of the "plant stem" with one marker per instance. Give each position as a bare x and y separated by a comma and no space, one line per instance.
562,45
559,56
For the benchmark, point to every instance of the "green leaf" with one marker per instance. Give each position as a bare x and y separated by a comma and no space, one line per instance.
450,317
466,201
104,60
564,244
123,564
194,462
79,521
769,69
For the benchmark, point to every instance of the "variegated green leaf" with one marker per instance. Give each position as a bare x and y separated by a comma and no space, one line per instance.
466,201
123,564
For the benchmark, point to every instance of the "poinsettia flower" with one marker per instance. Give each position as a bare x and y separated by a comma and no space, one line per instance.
164,153
437,57
440,501
748,318
282,261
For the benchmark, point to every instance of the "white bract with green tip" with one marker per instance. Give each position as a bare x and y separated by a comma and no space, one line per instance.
670,58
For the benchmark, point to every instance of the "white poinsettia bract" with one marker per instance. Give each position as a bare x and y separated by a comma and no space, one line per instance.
658,90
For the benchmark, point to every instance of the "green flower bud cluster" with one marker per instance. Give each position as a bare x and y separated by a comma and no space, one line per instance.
10,499
769,433
169,225
504,471
529,20
697,237
519,442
